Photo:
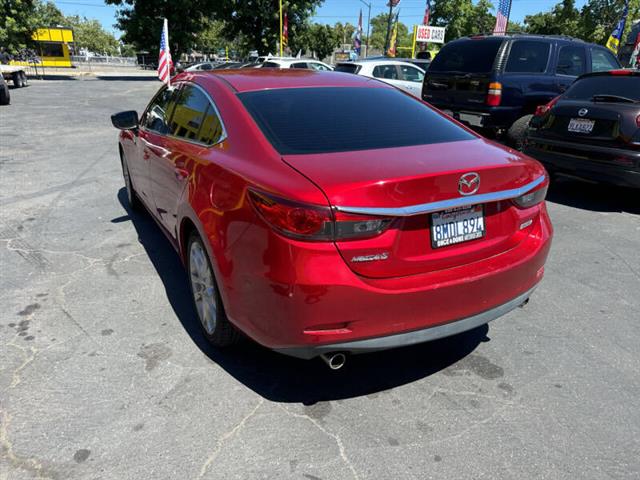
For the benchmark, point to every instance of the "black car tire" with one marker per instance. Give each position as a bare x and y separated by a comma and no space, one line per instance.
132,196
5,97
223,333
23,79
517,133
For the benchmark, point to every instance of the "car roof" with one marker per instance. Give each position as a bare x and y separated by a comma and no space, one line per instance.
251,79
485,36
386,61
292,60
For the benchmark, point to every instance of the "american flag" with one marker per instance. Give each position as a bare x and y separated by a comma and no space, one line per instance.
502,17
357,39
427,13
164,61
393,3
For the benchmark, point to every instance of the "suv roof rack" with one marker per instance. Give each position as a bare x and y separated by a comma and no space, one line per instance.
525,34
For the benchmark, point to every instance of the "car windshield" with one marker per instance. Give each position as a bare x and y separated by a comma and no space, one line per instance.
605,85
469,56
338,119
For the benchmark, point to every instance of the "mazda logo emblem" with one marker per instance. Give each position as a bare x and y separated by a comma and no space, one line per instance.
469,183
582,112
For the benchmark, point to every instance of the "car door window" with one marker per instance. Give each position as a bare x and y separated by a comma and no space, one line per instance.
270,65
387,72
188,115
319,67
528,56
212,130
602,60
571,61
411,74
299,65
156,117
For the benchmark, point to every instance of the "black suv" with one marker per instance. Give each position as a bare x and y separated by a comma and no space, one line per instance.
496,82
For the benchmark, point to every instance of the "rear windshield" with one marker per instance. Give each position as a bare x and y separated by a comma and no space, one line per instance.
339,119
586,88
347,68
468,56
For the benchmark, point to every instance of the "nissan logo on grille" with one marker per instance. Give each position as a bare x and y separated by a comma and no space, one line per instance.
469,183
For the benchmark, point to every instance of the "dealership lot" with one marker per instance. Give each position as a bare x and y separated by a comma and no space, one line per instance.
104,373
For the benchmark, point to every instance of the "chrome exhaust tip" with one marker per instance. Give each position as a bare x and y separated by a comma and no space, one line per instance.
335,361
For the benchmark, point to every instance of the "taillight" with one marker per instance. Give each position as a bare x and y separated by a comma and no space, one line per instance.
312,222
494,95
638,121
621,72
532,197
541,110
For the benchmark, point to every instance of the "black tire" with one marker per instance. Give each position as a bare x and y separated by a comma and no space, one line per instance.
517,134
17,79
23,79
221,333
132,196
5,96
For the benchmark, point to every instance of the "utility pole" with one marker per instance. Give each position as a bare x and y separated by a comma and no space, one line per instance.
281,46
368,5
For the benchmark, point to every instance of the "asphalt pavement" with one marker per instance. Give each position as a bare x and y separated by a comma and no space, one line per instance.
104,374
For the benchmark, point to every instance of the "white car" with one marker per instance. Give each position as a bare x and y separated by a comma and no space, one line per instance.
402,75
280,62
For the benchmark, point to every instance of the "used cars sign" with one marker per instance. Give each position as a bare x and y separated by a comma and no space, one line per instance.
427,33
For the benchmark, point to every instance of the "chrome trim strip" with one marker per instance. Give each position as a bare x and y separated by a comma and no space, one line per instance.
443,204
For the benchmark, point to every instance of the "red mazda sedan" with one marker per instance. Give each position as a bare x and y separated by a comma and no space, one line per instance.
326,213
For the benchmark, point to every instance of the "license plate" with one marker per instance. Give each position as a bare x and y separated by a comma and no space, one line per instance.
457,225
471,119
581,125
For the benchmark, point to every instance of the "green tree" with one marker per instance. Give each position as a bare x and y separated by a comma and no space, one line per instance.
320,40
89,35
562,19
379,32
456,16
344,33
598,18
18,21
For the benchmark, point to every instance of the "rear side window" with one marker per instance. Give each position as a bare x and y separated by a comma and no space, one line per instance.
158,112
299,65
528,56
338,119
602,60
270,65
189,113
386,71
572,61
347,68
318,66
470,56
620,86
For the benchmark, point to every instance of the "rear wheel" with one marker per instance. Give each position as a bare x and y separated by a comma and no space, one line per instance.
518,132
23,79
206,296
5,97
132,196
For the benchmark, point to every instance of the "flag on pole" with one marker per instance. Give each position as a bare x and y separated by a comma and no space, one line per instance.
634,62
285,30
502,17
164,60
613,43
394,38
427,13
357,39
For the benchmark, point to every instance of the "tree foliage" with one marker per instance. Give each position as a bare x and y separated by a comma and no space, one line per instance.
17,23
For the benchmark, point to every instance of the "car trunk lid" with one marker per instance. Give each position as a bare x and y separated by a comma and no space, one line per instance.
418,175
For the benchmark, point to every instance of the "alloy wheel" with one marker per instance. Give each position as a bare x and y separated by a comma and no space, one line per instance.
202,287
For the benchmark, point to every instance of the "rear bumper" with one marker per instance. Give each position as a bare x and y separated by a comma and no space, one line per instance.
410,338
484,117
302,299
600,164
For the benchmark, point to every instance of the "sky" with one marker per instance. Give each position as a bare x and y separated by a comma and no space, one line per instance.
331,11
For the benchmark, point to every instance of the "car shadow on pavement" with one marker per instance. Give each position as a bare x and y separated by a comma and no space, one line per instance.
280,378
591,196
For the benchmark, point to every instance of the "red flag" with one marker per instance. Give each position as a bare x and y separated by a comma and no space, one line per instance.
285,30
427,13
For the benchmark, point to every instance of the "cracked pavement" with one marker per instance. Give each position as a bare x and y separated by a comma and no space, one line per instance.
104,374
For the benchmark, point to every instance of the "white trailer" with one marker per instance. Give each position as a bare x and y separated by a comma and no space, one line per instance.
15,74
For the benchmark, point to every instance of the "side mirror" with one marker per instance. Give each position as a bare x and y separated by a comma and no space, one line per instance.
125,120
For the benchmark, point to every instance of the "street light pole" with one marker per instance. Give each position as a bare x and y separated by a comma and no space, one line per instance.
368,5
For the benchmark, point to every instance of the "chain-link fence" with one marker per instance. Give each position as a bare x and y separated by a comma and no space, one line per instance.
104,60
